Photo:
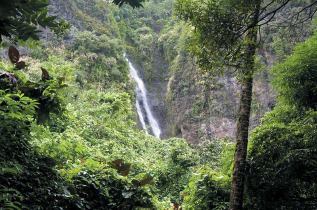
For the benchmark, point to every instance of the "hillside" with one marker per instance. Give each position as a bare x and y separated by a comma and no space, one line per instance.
76,120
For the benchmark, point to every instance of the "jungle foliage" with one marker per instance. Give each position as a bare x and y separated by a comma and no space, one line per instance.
282,159
69,137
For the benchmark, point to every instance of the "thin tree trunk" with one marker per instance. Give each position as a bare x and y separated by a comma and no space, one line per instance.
237,186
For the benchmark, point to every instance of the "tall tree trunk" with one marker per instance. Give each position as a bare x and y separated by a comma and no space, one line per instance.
237,186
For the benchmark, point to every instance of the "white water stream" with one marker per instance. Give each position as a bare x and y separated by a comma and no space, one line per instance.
146,116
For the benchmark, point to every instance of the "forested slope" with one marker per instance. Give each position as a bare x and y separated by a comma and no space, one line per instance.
197,105
70,137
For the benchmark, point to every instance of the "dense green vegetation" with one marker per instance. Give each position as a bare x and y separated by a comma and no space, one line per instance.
77,145
71,124
284,147
69,133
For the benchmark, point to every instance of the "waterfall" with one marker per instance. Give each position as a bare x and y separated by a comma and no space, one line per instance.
143,109
140,114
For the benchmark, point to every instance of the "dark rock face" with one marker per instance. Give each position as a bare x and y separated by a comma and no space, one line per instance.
156,86
196,105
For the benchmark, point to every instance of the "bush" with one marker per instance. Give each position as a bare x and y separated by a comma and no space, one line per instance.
282,163
296,78
207,189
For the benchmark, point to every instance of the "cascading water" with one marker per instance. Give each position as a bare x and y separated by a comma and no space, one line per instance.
142,105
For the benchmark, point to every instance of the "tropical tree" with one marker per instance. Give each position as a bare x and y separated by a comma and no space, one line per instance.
226,35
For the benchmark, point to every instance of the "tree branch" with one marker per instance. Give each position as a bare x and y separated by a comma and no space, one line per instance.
273,12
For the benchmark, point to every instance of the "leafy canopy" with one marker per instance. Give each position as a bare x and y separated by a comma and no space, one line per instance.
296,78
218,29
